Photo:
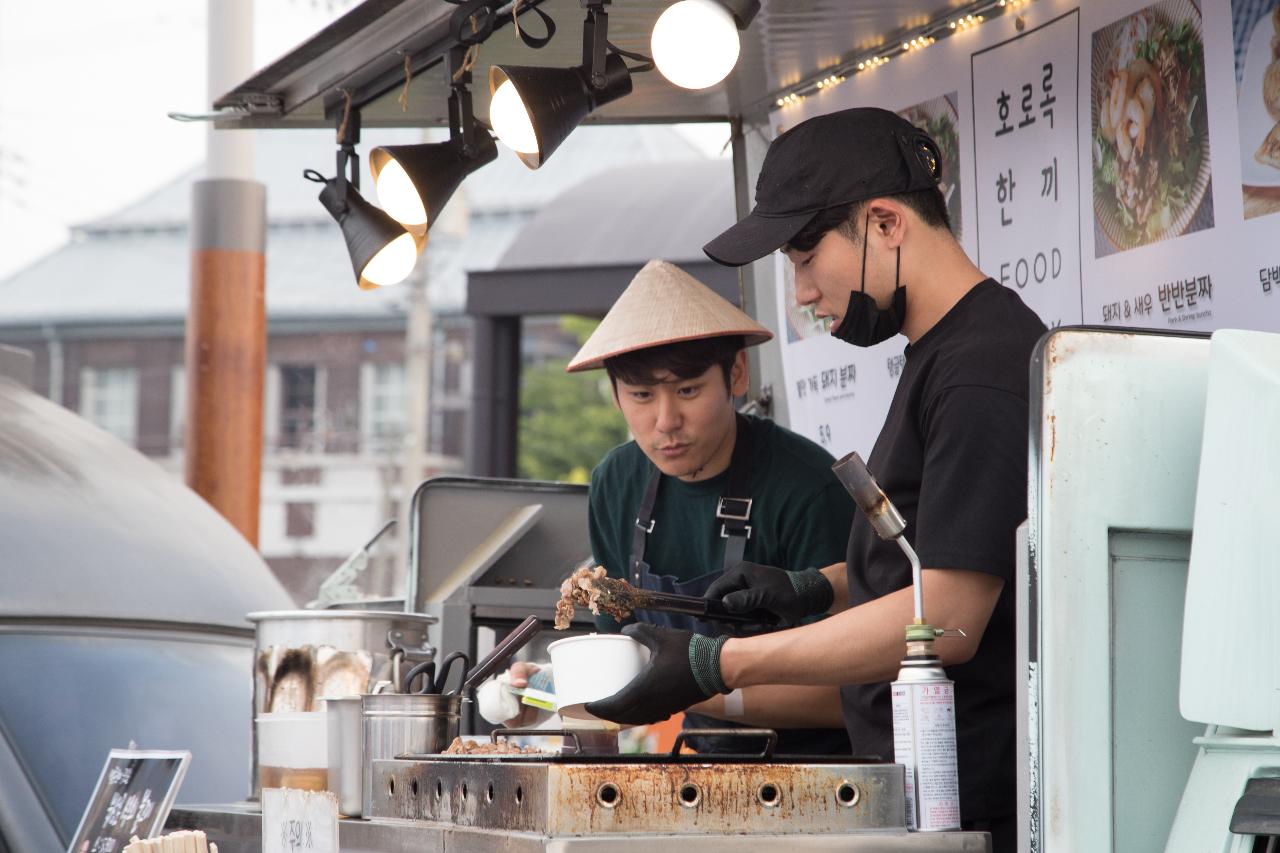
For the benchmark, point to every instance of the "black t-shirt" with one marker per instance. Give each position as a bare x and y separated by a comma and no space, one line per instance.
952,457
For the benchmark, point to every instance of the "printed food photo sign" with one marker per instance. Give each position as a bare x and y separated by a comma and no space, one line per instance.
1256,31
1151,168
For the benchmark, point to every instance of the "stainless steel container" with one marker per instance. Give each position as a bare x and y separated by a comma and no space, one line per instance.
346,738
399,723
301,656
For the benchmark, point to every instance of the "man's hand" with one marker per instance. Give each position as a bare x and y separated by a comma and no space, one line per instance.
520,672
502,707
683,669
791,596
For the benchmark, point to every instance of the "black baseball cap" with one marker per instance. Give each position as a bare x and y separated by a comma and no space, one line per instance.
828,161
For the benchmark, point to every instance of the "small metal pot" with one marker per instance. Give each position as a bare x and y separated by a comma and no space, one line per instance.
396,723
346,736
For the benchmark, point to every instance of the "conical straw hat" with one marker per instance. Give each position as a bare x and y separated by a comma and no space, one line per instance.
663,304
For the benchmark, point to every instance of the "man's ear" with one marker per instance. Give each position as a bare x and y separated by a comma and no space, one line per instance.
739,375
888,221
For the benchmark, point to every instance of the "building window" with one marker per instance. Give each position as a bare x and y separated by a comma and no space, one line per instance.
453,438
297,406
299,520
109,398
310,476
385,404
455,358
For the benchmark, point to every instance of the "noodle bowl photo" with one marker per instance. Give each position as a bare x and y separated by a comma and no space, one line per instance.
1150,128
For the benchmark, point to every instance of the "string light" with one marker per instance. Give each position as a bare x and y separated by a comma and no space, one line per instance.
913,40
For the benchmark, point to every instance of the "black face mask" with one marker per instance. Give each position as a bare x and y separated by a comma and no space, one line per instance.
865,323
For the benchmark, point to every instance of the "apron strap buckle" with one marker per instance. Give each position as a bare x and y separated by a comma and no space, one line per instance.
734,509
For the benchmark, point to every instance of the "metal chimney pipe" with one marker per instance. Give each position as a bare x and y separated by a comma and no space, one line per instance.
226,341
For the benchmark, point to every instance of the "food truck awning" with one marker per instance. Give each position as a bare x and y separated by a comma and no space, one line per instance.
363,52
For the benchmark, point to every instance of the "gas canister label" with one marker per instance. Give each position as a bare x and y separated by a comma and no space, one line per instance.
924,742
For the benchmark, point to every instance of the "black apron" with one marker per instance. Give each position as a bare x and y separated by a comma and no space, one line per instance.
732,518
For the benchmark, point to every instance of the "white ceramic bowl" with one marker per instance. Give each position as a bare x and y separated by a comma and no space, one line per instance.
593,666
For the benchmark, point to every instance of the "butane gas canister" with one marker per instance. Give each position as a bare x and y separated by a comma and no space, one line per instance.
924,735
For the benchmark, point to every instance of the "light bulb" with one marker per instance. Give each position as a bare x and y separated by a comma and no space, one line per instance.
511,120
398,196
393,263
695,43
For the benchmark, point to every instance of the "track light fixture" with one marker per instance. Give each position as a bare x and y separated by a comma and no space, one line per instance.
382,251
414,182
534,109
695,42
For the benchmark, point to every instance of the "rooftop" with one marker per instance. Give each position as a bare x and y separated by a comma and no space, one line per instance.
133,265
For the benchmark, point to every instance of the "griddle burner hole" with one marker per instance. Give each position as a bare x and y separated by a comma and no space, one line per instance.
489,793
439,789
464,790
391,785
690,795
519,795
847,794
413,786
768,795
608,795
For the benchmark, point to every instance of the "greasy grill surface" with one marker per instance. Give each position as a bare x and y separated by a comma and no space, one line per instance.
599,795
641,758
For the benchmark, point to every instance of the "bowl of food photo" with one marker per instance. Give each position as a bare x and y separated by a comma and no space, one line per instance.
1259,105
1150,126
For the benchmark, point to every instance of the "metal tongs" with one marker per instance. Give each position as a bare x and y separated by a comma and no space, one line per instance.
710,609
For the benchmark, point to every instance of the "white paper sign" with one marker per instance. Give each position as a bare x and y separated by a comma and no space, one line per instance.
1025,148
296,821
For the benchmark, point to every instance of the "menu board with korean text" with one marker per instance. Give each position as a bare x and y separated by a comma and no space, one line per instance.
133,796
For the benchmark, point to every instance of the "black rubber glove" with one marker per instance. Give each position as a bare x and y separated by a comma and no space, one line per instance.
791,596
683,669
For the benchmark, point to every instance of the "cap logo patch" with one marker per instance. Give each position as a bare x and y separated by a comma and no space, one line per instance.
928,157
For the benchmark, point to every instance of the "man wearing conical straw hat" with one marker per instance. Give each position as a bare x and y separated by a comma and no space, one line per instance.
702,488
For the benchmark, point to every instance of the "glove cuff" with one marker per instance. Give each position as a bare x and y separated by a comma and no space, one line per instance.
814,591
704,661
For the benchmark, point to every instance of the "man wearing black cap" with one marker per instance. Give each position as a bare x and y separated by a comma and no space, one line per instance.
852,199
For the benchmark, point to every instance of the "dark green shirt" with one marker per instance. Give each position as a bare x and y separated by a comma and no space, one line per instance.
800,515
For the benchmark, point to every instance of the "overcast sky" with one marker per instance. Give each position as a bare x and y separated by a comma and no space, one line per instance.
85,87
84,91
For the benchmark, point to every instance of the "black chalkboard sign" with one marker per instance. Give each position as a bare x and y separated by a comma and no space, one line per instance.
133,797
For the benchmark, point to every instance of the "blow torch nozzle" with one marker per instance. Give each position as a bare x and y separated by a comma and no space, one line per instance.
885,519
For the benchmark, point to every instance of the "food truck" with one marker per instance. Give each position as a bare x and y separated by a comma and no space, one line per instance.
1116,163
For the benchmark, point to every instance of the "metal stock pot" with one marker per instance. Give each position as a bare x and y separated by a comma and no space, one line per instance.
302,656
